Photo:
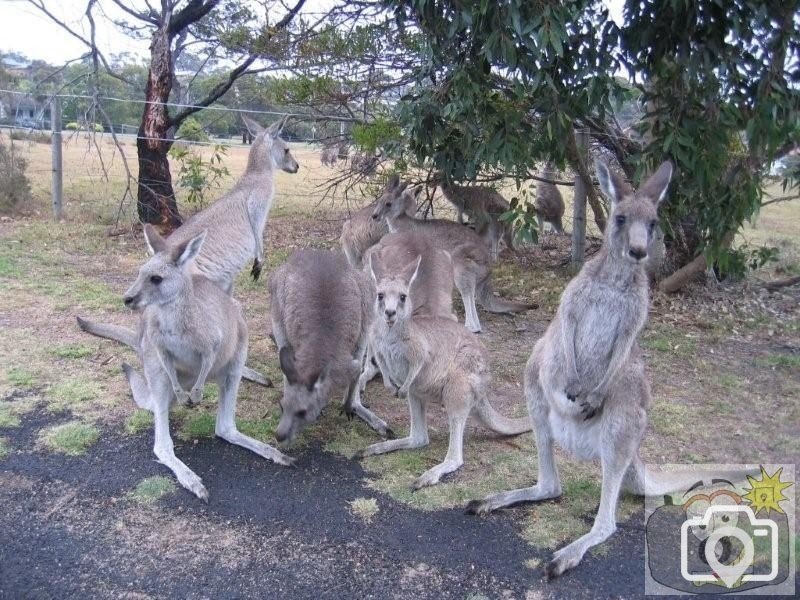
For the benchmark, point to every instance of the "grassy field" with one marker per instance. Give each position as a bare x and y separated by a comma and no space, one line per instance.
724,363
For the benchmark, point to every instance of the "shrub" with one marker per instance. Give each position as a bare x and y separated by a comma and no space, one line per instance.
15,187
75,126
191,130
40,137
197,176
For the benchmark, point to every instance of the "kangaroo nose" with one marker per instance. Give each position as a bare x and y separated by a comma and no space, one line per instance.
374,216
390,313
128,300
638,253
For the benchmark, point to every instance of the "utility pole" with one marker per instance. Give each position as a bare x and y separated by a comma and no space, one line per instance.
579,203
58,173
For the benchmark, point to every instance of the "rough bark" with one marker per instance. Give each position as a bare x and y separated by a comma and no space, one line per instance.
582,169
156,198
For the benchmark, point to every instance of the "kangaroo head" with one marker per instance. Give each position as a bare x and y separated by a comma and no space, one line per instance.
268,146
634,214
393,291
303,397
396,200
166,274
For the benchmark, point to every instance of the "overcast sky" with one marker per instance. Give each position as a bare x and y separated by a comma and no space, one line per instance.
24,29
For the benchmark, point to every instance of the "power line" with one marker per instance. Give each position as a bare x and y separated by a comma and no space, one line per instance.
180,105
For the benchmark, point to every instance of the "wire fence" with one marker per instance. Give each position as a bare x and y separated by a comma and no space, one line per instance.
99,169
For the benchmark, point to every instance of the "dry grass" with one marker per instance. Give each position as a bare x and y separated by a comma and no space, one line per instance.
705,379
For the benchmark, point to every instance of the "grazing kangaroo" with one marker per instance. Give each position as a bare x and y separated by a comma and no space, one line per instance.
471,262
549,204
234,227
328,157
432,288
361,231
321,311
585,381
484,207
430,359
190,330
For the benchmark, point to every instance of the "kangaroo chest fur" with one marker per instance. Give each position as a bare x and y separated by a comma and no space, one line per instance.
580,438
392,351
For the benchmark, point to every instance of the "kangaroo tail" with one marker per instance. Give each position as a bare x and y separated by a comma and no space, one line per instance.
652,482
111,332
129,338
490,302
497,422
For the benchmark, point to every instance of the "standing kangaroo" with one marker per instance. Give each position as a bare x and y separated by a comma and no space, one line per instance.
431,359
190,330
484,206
549,204
361,231
321,311
432,287
233,225
471,262
585,381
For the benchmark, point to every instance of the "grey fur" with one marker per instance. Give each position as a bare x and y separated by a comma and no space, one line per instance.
431,359
433,286
549,203
484,206
235,223
585,381
189,331
321,311
328,157
470,256
361,231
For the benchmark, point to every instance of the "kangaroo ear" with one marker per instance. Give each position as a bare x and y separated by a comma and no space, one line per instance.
656,185
393,182
411,270
155,243
253,127
276,128
373,272
286,357
317,382
611,184
183,253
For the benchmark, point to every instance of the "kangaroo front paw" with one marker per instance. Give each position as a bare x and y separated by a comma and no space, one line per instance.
182,397
255,272
591,406
195,396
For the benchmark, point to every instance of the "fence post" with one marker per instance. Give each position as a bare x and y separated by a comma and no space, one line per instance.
579,204
58,175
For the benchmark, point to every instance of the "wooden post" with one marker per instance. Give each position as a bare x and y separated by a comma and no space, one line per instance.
579,204
58,175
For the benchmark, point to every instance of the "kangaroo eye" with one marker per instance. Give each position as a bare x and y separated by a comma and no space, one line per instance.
388,205
286,151
402,297
653,226
156,279
300,414
380,297
620,220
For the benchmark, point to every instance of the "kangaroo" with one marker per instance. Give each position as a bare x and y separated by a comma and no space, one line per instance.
234,227
189,331
328,157
470,256
433,286
235,223
361,231
585,381
321,311
549,204
430,359
484,207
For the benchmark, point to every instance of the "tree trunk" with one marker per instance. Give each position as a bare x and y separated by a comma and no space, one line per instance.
581,168
155,196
